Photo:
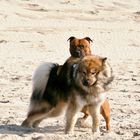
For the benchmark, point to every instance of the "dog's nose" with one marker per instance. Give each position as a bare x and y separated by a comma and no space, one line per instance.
87,82
78,53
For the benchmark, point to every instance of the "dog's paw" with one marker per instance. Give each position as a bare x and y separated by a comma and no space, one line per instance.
69,131
26,124
95,130
108,131
81,123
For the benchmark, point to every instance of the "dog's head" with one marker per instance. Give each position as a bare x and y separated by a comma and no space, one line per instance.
80,47
88,70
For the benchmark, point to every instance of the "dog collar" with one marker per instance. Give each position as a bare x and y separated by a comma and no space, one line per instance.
74,69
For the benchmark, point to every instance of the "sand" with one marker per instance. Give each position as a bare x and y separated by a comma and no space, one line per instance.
36,31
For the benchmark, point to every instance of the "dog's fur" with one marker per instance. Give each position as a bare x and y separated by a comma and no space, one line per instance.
87,91
78,49
66,88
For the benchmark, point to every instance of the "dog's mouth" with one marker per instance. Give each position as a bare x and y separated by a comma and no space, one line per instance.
89,83
77,54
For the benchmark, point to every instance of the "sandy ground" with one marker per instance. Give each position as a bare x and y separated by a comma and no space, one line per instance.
36,31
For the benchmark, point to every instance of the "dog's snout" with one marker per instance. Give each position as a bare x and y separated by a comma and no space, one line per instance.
77,53
89,82
86,82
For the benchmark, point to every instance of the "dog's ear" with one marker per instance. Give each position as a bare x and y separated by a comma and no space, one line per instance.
104,60
71,38
88,39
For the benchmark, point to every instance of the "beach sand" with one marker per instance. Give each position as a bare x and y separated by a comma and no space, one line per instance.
36,31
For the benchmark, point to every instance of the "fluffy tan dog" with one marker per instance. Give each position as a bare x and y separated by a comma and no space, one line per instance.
87,91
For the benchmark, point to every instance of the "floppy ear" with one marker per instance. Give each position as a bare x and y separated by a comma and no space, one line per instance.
104,60
71,38
88,39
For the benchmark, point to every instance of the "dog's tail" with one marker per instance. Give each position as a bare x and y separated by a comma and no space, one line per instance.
40,80
106,76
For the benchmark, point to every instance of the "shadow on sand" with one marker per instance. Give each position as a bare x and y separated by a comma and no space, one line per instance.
20,130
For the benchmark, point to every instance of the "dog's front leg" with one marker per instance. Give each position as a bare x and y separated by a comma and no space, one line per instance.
95,114
71,116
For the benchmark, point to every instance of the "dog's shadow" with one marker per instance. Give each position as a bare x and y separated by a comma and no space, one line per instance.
20,130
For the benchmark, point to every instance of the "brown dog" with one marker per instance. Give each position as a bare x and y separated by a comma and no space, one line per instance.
80,48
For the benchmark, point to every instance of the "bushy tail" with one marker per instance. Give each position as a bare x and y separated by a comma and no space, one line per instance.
106,76
40,79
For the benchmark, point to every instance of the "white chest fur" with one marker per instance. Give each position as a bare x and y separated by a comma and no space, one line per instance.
90,99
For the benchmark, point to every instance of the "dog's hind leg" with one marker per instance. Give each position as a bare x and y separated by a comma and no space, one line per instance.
34,117
36,123
54,112
58,110
105,111
81,121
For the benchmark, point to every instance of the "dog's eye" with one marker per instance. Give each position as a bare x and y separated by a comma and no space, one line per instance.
81,46
84,73
93,73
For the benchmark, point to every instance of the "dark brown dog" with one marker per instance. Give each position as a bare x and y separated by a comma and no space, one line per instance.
79,48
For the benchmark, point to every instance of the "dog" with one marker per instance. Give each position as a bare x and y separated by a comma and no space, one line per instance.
53,92
78,49
88,90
